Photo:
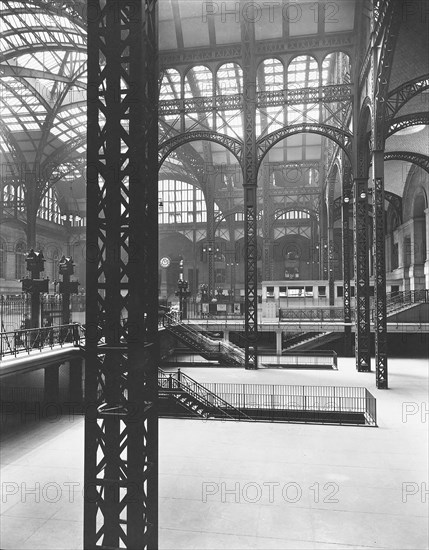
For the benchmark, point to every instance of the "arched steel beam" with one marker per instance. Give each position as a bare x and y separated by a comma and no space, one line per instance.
233,145
49,47
416,158
74,10
396,202
24,72
398,97
341,137
405,121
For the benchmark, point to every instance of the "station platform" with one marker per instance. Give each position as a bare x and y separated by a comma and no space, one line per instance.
240,485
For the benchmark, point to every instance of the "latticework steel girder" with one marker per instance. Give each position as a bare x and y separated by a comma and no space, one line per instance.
360,218
415,158
380,285
250,194
342,137
405,121
347,193
402,94
121,432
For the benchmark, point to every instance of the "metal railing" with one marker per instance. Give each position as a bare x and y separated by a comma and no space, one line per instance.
19,341
323,399
182,382
310,314
404,298
323,357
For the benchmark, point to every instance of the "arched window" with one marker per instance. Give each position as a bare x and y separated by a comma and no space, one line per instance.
229,79
270,79
20,267
303,72
199,82
180,202
49,208
170,85
336,69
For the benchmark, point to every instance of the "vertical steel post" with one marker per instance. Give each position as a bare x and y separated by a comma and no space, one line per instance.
121,432
346,196
363,328
379,272
250,192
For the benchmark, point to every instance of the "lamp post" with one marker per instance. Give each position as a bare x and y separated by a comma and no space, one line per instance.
66,287
182,292
34,285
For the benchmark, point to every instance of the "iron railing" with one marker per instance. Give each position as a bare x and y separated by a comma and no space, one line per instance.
398,300
19,341
332,399
310,314
299,358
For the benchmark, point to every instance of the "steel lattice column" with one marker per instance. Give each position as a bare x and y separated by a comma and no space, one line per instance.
347,192
363,334
250,188
379,272
330,241
121,431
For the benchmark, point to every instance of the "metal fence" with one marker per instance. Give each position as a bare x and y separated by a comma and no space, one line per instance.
338,399
13,310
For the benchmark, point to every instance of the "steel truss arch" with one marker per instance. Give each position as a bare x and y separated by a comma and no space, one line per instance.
416,158
398,97
405,121
341,137
233,145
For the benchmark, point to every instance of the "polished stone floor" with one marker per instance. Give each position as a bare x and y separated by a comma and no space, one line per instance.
232,485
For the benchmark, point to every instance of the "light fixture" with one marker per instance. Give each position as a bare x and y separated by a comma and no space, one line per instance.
363,195
346,200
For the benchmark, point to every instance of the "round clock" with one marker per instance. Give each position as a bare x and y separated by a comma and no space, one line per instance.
164,262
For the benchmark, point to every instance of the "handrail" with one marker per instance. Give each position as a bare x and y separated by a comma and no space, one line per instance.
25,340
180,380
206,344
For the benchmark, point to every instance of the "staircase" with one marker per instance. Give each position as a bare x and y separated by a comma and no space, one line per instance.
225,353
299,339
313,340
181,395
401,301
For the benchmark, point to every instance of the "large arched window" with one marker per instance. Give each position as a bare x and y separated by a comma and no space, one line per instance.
49,208
270,79
336,69
180,202
199,82
170,85
303,72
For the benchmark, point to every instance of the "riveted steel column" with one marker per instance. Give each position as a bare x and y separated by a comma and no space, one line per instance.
250,188
347,192
121,386
379,271
363,328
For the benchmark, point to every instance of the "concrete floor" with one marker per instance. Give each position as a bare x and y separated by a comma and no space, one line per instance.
231,485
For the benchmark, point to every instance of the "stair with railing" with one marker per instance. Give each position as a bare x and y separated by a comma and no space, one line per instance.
313,340
400,301
181,395
298,339
225,353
